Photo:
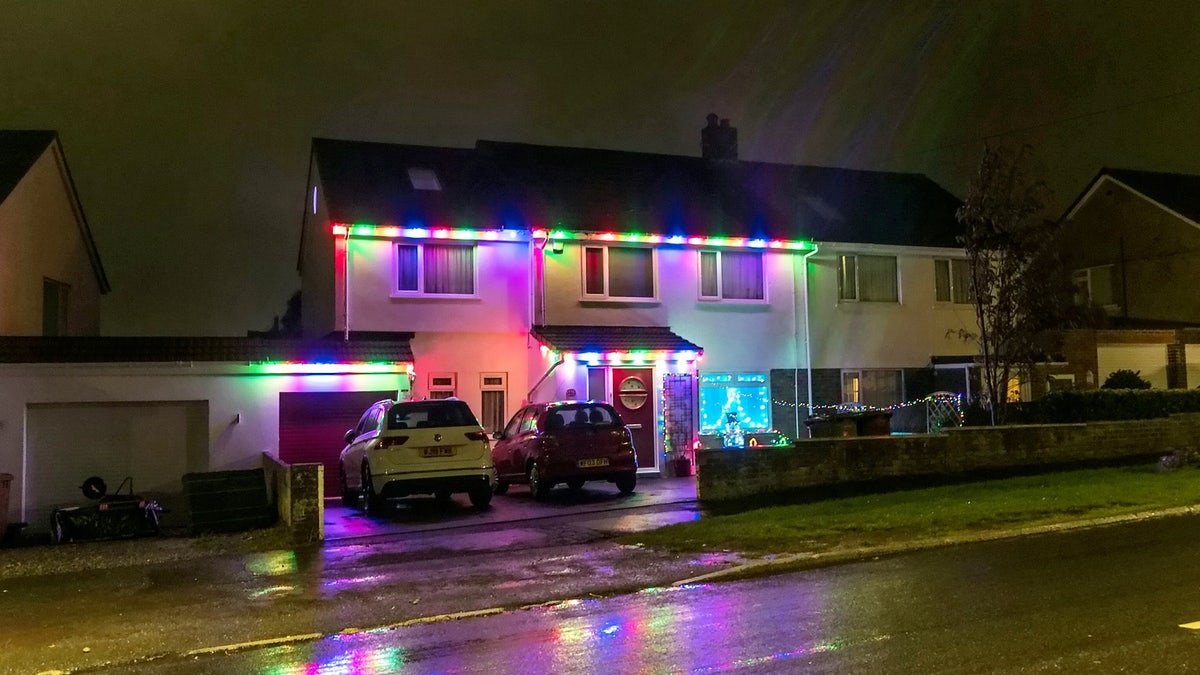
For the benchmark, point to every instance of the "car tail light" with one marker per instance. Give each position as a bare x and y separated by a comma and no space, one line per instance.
389,441
477,435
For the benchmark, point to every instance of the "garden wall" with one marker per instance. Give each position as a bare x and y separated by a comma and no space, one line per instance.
740,473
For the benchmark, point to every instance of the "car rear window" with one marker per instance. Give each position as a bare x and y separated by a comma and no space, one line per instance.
582,415
430,414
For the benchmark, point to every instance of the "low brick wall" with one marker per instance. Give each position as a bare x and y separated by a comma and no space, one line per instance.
734,474
298,491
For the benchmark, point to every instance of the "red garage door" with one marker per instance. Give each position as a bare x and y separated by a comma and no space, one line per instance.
312,427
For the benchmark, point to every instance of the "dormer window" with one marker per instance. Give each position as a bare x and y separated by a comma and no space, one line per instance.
424,179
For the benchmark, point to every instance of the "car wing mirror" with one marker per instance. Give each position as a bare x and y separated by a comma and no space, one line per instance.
350,436
499,435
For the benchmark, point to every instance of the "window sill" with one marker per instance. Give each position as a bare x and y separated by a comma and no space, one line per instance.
430,296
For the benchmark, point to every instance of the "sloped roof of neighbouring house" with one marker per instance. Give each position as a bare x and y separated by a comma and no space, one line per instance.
577,339
500,185
19,149
26,349
1179,192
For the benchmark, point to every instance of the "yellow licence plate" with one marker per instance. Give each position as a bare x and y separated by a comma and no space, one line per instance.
585,463
437,452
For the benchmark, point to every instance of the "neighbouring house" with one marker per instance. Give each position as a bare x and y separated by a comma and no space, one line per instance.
713,300
1132,245
151,409
51,278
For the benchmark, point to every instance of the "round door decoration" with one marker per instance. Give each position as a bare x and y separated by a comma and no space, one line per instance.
632,392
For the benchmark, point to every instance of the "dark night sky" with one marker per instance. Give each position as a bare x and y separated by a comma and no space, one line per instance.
187,124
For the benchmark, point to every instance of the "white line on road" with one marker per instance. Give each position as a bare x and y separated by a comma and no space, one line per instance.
1195,625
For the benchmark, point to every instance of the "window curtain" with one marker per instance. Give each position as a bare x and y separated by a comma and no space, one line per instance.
593,271
847,287
708,275
961,270
449,270
630,272
877,278
406,268
741,275
881,388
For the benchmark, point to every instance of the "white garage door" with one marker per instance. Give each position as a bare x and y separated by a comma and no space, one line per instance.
1151,360
154,443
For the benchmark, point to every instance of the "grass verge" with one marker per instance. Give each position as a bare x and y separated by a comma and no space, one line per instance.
944,511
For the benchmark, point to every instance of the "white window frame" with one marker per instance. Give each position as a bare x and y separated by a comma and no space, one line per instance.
438,389
857,295
583,250
1082,279
951,263
720,295
397,292
501,386
855,396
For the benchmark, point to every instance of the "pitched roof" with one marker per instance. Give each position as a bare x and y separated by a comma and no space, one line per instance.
1179,192
27,349
611,338
520,186
18,151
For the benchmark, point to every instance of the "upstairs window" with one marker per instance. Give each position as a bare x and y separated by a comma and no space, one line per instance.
1096,286
731,275
435,269
952,279
868,278
618,273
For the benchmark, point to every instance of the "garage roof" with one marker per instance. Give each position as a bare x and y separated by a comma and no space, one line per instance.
26,349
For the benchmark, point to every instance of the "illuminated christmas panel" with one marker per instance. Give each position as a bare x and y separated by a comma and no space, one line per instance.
733,404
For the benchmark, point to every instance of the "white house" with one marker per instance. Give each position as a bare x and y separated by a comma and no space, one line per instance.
706,297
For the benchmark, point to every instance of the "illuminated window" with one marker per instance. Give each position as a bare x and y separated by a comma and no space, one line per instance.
875,388
731,275
868,278
952,279
435,269
618,273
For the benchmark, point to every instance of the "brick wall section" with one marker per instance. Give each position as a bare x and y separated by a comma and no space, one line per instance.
298,491
741,473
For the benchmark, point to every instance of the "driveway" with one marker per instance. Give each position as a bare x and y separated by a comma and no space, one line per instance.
598,506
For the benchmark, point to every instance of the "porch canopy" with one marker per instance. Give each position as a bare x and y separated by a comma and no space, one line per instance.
617,343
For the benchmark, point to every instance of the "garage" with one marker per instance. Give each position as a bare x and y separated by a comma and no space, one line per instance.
153,443
1150,360
312,427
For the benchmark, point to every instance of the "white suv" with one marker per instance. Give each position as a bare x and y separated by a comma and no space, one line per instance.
416,447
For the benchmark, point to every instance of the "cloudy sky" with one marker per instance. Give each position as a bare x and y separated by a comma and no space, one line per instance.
187,123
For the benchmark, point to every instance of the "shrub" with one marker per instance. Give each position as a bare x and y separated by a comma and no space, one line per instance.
1125,379
1104,404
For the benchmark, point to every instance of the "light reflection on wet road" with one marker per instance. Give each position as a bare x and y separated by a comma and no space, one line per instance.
1114,599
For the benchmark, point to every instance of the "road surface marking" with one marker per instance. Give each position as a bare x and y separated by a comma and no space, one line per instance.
1195,625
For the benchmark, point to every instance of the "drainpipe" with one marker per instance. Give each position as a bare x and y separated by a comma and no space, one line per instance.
346,289
548,373
807,334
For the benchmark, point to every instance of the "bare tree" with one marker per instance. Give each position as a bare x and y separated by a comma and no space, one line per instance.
1017,282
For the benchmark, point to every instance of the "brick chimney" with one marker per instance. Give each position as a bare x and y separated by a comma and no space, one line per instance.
718,140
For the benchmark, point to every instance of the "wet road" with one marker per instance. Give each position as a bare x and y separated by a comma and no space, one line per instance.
1106,600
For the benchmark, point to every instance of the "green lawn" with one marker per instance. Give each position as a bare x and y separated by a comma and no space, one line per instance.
933,512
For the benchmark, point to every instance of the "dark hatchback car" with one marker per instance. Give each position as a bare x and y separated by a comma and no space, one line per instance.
568,442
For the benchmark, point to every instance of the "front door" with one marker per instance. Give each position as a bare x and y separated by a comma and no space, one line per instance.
633,397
